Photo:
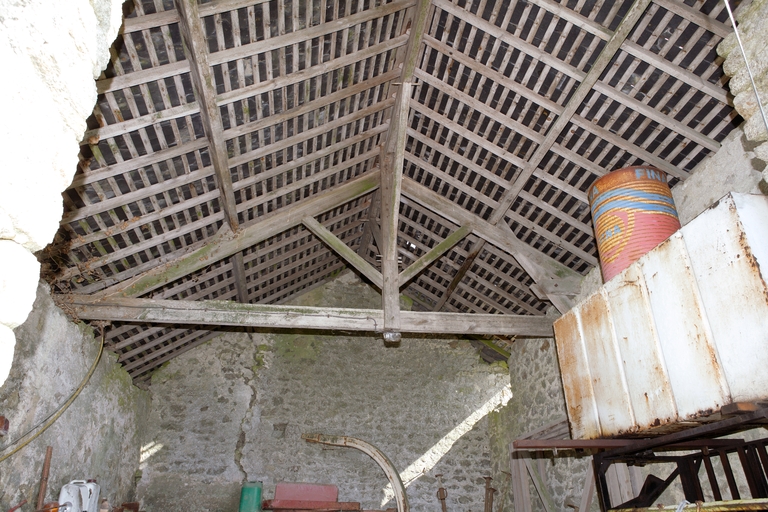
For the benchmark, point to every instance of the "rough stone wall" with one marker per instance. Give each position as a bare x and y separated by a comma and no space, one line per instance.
734,168
753,27
234,410
51,52
99,434
537,401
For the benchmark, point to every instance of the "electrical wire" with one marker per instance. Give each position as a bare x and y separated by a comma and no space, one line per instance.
746,62
51,419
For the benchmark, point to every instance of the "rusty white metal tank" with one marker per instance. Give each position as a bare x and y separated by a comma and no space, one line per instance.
678,334
633,212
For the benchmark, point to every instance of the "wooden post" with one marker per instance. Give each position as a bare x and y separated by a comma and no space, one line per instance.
44,478
391,184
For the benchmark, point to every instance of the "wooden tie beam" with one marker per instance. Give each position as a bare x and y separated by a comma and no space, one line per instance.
224,313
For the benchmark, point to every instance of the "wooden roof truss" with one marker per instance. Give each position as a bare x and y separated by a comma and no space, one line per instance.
249,150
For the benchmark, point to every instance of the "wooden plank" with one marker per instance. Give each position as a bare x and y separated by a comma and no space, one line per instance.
641,53
148,21
314,71
550,235
588,491
543,269
492,74
141,77
541,488
286,190
309,106
92,176
196,50
310,158
112,130
719,93
134,248
514,41
220,6
123,200
587,83
238,272
695,16
299,36
663,119
226,244
227,313
391,185
629,147
434,254
314,132
343,251
135,223
471,136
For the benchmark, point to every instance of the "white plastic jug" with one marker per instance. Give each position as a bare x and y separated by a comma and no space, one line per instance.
89,494
70,499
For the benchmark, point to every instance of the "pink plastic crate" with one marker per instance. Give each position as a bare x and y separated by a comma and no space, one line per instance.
306,492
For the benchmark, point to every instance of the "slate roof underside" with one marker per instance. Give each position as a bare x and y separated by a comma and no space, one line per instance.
305,91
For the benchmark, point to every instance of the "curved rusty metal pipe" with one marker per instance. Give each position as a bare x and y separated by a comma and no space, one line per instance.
382,460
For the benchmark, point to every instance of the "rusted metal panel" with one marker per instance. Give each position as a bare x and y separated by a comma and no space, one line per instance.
606,369
577,385
733,290
753,214
686,341
647,380
679,334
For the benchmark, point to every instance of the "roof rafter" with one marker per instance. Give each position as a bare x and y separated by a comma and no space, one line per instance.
229,243
641,53
551,275
603,60
588,81
196,50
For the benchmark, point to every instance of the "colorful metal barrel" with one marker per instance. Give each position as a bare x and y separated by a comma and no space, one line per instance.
633,212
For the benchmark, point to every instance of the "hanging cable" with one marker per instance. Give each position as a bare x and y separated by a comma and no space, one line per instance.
749,70
51,419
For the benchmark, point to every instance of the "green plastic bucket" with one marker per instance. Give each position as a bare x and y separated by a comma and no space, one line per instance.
250,497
